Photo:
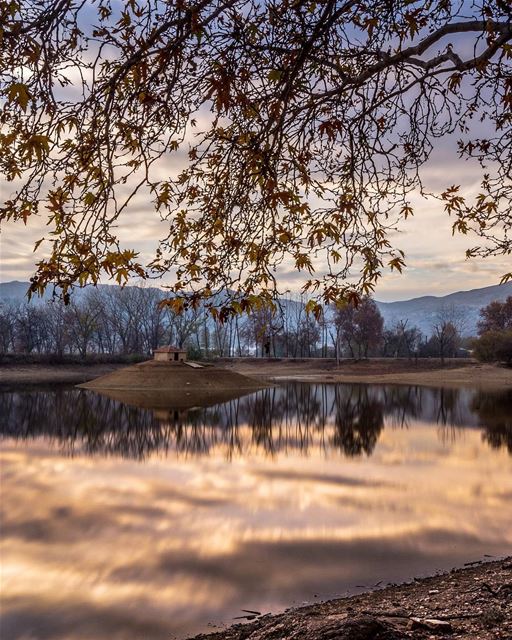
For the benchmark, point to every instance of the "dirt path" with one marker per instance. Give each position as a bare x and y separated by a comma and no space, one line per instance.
473,603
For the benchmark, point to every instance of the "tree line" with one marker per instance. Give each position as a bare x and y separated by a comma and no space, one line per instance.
128,321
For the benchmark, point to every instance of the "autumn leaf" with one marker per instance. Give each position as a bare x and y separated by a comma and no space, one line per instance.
19,93
274,75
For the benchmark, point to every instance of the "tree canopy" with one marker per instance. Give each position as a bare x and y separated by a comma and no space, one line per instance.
496,316
300,129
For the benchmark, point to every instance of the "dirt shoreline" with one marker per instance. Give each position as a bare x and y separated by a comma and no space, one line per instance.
474,602
41,374
428,372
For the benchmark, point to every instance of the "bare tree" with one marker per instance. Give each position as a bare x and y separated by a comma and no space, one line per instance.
447,327
359,329
182,326
83,319
56,318
400,340
7,328
261,328
31,332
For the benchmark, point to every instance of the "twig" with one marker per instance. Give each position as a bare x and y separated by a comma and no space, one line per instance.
386,614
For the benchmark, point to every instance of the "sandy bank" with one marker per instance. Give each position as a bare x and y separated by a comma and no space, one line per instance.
455,373
428,372
471,603
156,385
39,374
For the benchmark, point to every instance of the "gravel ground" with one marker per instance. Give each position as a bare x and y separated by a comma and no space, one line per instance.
470,603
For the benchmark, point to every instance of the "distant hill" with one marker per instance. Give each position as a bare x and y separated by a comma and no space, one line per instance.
14,290
420,312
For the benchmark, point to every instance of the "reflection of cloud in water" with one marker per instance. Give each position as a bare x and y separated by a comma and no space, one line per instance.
296,416
307,566
108,547
78,620
294,475
325,566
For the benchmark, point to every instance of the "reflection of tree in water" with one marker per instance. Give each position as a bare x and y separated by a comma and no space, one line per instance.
78,419
402,403
447,405
279,419
449,413
359,419
284,417
495,415
293,417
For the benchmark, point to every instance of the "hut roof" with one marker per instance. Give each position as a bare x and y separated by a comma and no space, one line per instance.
169,350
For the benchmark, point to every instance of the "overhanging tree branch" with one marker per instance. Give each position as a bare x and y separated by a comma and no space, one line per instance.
301,130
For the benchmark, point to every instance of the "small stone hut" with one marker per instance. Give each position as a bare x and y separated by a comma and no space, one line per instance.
170,354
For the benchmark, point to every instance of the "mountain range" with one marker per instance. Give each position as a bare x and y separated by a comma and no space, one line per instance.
420,312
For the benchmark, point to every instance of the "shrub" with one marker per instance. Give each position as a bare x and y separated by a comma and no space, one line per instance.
194,353
494,346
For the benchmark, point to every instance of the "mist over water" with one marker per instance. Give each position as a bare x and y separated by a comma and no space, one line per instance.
121,521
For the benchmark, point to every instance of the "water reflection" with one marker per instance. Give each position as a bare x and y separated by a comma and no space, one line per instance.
161,521
348,419
495,414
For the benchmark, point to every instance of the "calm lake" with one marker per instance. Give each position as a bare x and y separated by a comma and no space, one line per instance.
130,523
